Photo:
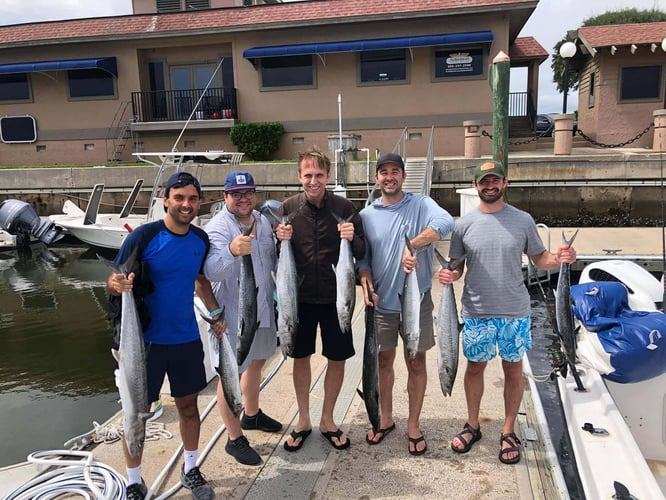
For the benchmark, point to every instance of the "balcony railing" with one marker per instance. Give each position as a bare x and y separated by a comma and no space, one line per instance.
175,105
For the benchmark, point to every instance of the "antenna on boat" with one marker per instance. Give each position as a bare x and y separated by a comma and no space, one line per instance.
189,118
663,229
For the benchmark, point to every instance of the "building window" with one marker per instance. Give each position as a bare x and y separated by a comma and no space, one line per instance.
85,83
590,97
457,62
178,5
640,83
383,66
15,87
291,71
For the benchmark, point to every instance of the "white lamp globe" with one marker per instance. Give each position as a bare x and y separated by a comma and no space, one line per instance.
568,49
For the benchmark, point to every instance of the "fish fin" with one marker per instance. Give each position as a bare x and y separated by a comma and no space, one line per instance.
116,355
409,246
441,259
248,231
360,393
568,242
456,263
146,415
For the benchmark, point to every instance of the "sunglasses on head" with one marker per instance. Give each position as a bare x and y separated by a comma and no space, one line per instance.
185,179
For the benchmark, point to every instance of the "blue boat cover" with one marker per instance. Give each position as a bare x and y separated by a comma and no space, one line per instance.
369,44
634,339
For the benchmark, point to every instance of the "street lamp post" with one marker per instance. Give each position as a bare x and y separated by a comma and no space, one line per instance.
567,51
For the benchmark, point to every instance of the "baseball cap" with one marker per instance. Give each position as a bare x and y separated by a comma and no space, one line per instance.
390,158
488,168
239,180
181,179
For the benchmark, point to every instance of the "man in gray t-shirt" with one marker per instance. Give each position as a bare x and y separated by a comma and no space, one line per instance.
496,304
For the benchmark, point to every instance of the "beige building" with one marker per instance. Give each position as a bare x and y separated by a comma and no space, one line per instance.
89,91
621,81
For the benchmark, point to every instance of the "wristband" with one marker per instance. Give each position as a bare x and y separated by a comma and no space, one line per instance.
214,313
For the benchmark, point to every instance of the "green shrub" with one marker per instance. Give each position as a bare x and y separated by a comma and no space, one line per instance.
257,140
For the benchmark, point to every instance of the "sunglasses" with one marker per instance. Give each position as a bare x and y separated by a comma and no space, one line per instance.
236,195
186,179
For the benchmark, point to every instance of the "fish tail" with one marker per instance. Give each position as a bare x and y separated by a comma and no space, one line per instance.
569,242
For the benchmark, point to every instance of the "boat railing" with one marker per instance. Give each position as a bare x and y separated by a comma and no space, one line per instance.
535,275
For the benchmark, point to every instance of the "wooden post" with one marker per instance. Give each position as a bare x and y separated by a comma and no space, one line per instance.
500,86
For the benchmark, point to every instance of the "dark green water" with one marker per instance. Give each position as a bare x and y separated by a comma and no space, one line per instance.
55,360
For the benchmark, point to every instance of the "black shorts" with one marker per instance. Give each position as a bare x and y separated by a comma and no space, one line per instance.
183,363
336,345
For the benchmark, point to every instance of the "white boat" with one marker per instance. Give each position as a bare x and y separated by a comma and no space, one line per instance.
109,230
104,230
618,430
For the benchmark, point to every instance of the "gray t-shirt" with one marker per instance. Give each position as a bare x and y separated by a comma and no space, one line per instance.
494,244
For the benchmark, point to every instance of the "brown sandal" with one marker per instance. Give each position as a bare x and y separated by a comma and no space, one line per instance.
512,440
467,445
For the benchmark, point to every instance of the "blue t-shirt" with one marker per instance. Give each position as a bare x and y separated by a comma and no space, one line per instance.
173,262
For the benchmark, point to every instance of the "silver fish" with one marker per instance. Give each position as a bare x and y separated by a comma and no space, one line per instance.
370,378
247,304
131,378
227,368
411,308
448,331
286,287
345,278
563,312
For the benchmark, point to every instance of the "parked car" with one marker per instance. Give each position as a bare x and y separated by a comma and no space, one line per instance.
545,125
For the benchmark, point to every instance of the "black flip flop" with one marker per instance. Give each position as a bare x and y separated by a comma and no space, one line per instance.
336,434
303,435
415,441
382,433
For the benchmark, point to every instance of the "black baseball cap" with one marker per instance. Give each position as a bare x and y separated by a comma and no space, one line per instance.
181,179
390,158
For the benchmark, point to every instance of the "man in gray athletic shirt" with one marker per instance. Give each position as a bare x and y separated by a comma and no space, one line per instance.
386,222
495,300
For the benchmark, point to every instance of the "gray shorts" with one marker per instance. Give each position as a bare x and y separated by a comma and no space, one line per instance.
263,347
388,325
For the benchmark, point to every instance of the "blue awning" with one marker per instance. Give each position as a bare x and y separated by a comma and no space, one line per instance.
373,44
107,64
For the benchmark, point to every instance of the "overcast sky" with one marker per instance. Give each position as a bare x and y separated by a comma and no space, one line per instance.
548,24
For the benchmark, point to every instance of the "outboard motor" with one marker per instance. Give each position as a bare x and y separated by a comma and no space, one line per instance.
20,218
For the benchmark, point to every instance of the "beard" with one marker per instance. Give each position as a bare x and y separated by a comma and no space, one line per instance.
492,196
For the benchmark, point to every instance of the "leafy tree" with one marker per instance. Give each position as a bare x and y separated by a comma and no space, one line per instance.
625,16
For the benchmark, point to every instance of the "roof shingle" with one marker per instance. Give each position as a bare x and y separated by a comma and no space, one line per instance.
241,18
623,34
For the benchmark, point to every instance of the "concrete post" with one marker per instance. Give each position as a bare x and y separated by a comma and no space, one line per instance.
563,134
659,138
473,138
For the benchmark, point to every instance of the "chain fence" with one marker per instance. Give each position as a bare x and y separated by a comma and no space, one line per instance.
583,135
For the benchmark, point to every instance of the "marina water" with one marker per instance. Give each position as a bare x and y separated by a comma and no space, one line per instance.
56,368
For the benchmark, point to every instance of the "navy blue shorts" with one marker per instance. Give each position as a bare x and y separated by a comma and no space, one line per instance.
336,345
183,363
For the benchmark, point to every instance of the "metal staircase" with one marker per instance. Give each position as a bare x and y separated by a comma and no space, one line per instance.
120,124
419,171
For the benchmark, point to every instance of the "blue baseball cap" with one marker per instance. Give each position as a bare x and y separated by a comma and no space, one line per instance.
181,179
239,180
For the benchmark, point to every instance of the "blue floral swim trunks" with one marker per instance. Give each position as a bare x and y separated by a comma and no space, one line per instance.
482,337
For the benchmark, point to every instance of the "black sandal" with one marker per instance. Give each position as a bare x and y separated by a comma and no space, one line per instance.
414,442
302,435
512,440
467,445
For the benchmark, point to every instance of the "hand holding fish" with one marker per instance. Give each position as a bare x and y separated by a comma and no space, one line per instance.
346,230
448,276
284,232
566,254
409,260
119,283
369,295
241,245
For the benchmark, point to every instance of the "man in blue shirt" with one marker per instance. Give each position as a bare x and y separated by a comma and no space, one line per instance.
386,222
170,254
